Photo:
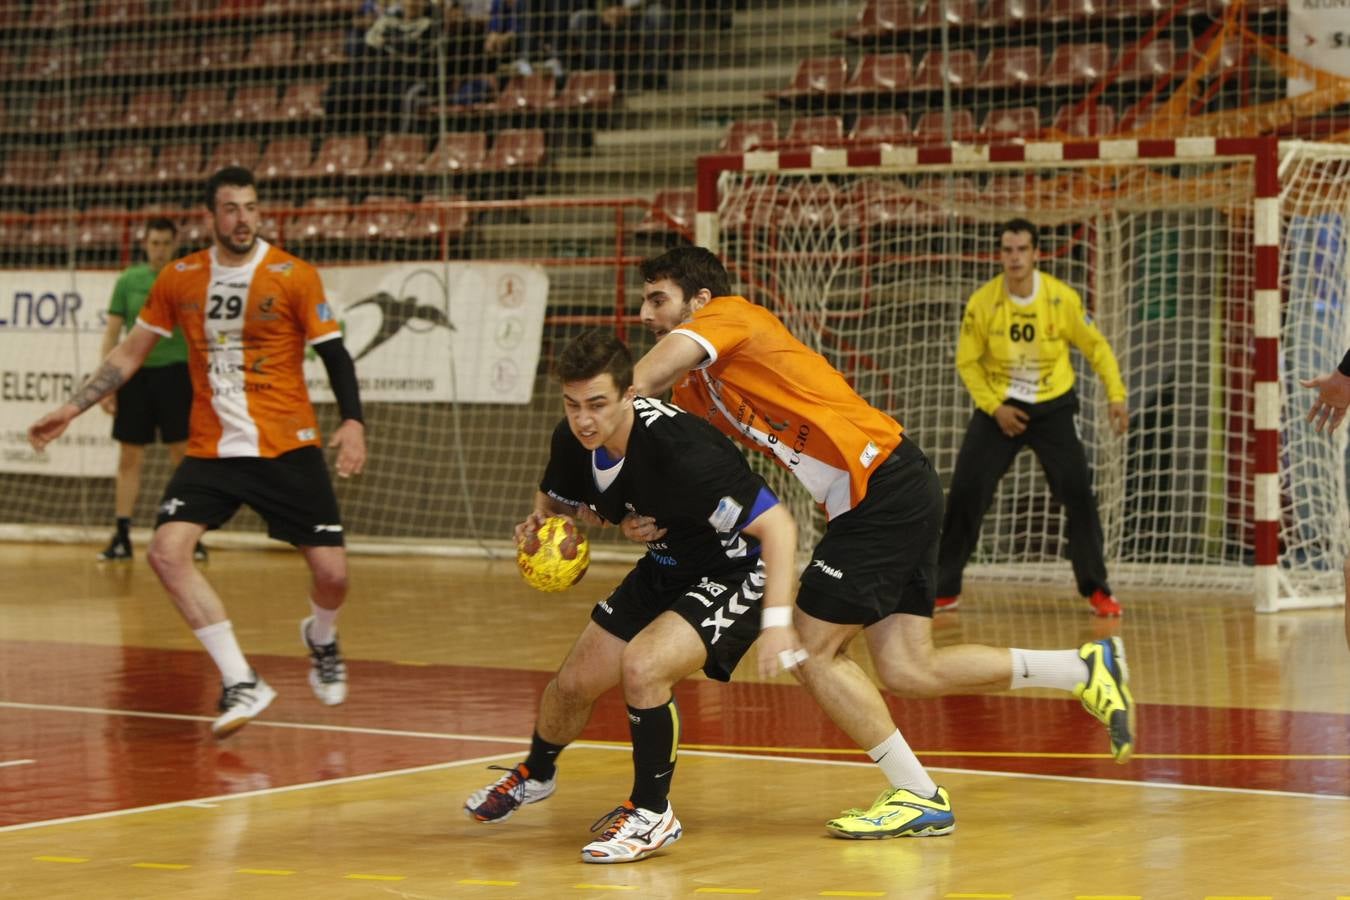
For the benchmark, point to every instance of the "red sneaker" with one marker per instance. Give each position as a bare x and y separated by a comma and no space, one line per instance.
1104,605
943,604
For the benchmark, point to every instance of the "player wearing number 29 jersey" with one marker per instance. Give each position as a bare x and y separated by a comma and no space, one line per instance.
247,327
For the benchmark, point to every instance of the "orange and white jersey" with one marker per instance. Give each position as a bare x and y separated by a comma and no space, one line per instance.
768,389
247,328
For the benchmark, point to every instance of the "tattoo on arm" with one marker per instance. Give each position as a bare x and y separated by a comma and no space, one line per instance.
103,382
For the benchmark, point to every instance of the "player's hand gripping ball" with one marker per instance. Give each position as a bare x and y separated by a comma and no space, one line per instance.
555,557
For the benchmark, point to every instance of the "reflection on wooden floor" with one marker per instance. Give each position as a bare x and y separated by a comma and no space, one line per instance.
111,786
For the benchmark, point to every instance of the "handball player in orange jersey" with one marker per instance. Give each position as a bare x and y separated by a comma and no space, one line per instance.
248,311
874,571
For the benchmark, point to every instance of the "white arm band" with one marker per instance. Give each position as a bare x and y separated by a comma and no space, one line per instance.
775,617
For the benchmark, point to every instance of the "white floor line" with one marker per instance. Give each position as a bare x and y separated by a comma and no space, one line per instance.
202,801
17,762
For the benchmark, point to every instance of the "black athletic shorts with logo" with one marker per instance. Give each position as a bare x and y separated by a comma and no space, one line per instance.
291,492
155,398
880,557
724,610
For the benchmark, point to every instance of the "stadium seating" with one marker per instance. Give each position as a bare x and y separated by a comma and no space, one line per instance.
749,134
881,73
25,166
396,154
455,152
1002,125
1093,122
1011,67
815,131
234,153
128,164
201,106
524,93
671,210
891,128
284,157
588,90
179,162
816,76
255,103
303,101
932,126
75,165
339,155
962,70
150,109
1078,63
516,148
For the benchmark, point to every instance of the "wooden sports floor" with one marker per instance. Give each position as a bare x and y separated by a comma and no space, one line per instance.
112,786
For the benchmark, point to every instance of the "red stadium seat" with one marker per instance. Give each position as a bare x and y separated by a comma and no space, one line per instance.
203,105
1153,61
749,134
276,48
107,12
1076,10
340,155
1018,67
431,219
221,51
455,152
100,111
255,103
962,70
25,166
381,217
234,153
303,101
1095,122
101,228
179,162
815,131
321,48
881,73
150,109
932,127
1076,63
670,211
892,128
879,19
397,154
881,204
128,164
948,13
285,157
75,165
319,221
516,148
817,76
588,90
524,92
1005,125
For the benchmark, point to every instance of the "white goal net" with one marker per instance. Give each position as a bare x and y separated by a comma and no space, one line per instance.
870,258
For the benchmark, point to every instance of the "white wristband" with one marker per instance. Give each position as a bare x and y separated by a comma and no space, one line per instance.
775,617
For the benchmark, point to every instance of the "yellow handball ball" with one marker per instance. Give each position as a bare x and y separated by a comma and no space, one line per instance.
555,557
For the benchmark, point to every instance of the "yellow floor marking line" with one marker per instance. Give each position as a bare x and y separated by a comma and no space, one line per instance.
62,859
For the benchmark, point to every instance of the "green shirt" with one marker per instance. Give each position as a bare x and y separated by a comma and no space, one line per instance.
128,297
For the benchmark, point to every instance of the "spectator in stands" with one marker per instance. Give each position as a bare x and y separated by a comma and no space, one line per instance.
158,398
1327,413
632,37
395,56
366,15
1013,355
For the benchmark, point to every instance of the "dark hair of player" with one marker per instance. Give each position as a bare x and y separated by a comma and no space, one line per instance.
692,268
230,176
594,353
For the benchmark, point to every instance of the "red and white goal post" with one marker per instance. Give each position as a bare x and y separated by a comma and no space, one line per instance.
1218,269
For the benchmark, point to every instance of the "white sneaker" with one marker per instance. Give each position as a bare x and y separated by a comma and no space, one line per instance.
496,802
632,834
327,673
240,703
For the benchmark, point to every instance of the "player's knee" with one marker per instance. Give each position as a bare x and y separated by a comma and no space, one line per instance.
165,562
331,582
643,669
907,678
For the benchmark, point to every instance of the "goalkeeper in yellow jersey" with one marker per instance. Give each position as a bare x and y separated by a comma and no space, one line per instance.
1013,355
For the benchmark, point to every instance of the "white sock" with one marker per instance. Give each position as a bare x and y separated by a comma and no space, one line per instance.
899,764
1061,669
219,641
323,630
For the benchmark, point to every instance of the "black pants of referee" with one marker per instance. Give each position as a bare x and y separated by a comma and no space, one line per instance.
985,455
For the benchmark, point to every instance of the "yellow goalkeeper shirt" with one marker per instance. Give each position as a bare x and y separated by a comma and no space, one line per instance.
1012,350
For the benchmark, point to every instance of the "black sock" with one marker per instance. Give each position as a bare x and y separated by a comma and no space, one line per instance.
542,761
124,526
656,739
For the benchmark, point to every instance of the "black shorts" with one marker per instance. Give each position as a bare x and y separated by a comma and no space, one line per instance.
880,557
158,398
292,493
724,610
